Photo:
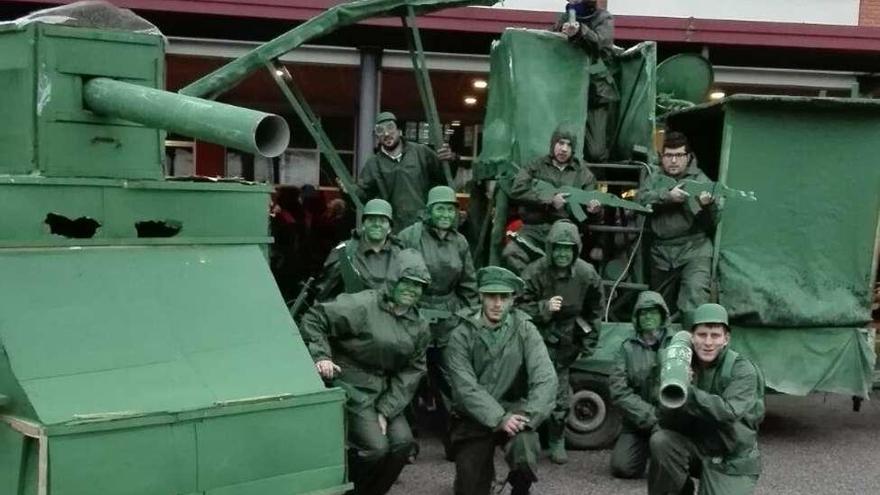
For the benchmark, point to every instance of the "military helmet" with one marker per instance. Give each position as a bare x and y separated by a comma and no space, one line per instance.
710,313
378,207
441,194
386,117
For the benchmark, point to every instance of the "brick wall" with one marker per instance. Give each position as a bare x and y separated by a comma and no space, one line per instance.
869,13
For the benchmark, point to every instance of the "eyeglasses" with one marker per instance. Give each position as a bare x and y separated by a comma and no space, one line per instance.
675,156
385,128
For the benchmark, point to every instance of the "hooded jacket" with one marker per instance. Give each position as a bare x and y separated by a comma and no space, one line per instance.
634,383
381,353
670,221
582,297
496,372
575,174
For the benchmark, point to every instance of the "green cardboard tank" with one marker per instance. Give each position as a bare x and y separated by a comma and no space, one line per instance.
145,347
795,268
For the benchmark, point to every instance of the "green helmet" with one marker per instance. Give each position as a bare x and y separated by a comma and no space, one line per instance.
710,313
441,194
378,207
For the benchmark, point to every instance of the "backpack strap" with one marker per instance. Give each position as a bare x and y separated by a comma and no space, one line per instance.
351,278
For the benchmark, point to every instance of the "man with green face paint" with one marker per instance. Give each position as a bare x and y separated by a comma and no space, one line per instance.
634,384
401,171
503,387
713,436
453,284
560,168
565,299
364,261
372,344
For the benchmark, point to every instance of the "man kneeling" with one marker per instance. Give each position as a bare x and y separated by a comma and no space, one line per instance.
503,386
714,435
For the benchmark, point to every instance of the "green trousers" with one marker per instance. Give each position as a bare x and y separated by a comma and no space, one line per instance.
473,447
630,454
376,460
675,458
556,421
691,264
596,136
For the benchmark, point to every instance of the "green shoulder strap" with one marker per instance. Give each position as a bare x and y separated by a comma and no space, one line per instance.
756,415
351,278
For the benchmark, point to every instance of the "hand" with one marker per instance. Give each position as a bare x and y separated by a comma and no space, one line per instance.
327,368
383,424
514,424
705,198
558,200
554,304
594,207
678,195
571,28
445,154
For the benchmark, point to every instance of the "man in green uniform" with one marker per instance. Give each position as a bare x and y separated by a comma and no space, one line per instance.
401,172
503,386
560,168
453,284
634,385
680,239
593,31
714,435
364,261
372,344
565,299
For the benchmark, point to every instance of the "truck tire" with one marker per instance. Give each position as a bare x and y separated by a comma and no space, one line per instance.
592,423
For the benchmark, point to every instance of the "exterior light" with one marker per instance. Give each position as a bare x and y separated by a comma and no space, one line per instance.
480,84
455,123
716,95
470,100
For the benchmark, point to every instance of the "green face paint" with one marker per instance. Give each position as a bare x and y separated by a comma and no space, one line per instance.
650,319
562,255
376,228
443,215
406,292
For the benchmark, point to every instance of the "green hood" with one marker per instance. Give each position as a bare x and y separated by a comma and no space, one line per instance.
410,264
649,299
562,132
563,231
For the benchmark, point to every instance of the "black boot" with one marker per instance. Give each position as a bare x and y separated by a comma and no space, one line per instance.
520,482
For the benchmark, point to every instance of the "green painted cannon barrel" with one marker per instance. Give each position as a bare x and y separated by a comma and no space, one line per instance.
240,128
675,370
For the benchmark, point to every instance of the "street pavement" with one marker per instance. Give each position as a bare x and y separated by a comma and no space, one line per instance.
811,445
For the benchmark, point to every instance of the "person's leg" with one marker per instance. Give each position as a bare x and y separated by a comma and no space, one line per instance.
630,455
714,482
385,472
473,448
597,133
556,421
369,448
521,453
671,457
695,280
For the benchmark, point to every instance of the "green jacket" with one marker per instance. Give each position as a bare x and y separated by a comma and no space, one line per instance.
382,355
671,222
575,174
351,267
453,282
596,37
494,373
404,183
724,408
634,383
582,297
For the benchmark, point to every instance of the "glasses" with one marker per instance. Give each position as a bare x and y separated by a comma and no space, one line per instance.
385,128
675,156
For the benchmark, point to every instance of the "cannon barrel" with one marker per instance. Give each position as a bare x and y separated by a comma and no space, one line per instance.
240,128
675,363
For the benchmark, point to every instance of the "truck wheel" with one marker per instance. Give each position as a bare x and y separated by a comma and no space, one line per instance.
592,423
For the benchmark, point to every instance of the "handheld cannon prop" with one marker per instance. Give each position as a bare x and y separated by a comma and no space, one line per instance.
696,188
675,363
576,199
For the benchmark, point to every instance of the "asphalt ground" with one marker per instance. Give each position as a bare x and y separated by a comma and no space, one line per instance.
810,445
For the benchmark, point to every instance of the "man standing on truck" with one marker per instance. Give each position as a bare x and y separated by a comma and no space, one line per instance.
634,384
680,245
401,172
714,435
364,261
565,299
503,386
558,168
593,31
